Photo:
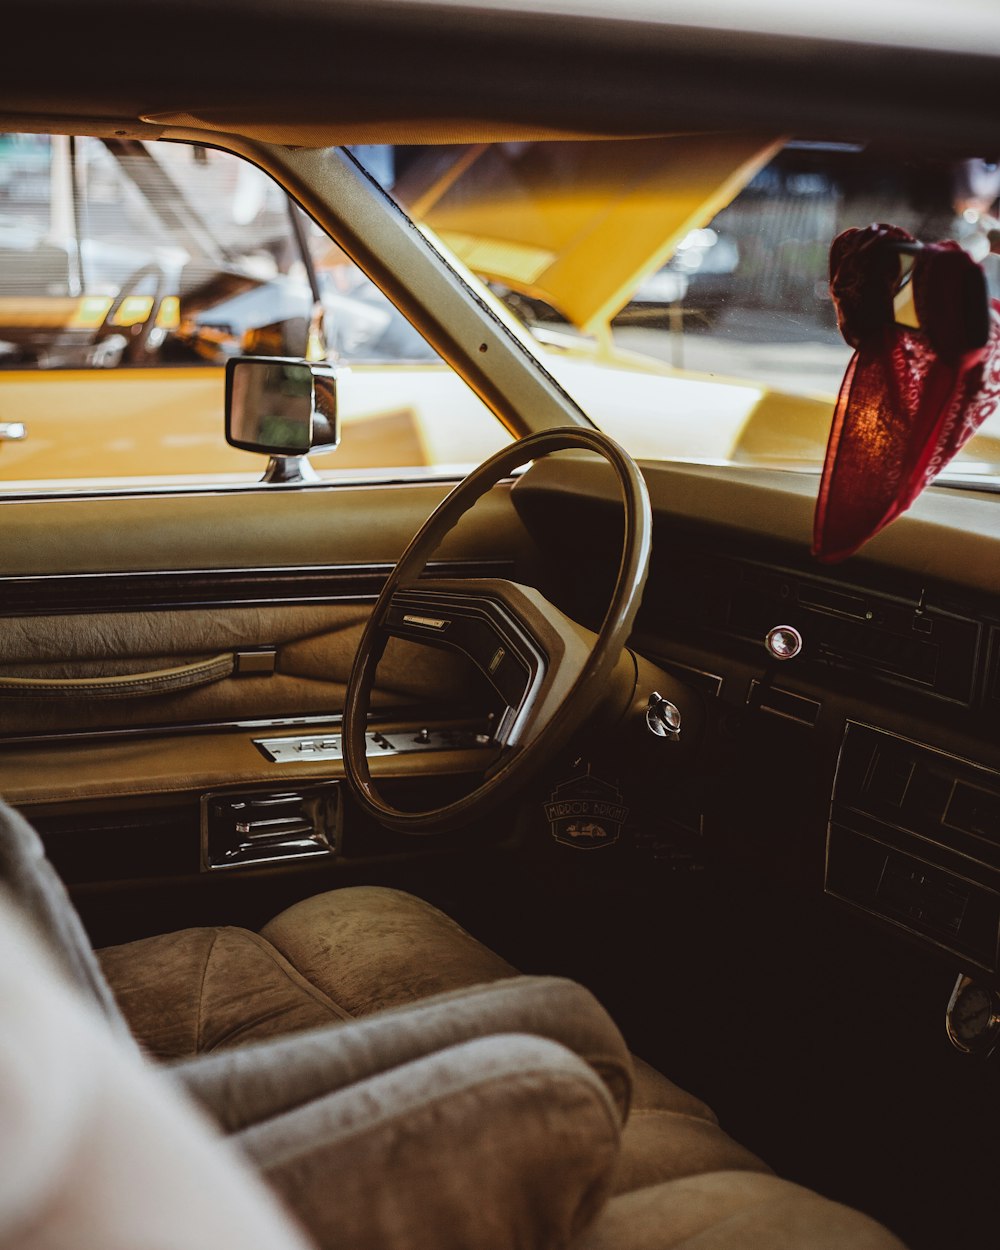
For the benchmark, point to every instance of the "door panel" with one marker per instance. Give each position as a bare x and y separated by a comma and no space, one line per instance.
67,670
100,588
261,528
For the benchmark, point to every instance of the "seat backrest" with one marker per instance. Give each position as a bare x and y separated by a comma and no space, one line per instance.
35,886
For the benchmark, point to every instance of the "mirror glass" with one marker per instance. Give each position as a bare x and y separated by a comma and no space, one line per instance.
269,405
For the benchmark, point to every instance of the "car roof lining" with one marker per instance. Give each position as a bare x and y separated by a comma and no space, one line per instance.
324,72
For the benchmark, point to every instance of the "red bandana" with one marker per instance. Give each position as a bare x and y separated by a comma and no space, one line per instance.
910,398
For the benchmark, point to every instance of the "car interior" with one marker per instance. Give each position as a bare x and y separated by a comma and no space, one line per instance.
608,715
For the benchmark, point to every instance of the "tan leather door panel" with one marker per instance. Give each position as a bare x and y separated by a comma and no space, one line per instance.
213,608
310,647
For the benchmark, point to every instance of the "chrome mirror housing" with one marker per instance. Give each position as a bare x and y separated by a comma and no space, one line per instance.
283,408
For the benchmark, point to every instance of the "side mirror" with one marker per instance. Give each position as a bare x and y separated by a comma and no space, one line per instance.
284,409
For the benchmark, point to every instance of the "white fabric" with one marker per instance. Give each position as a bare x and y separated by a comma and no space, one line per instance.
97,1151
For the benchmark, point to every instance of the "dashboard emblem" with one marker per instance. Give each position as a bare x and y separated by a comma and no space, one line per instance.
586,813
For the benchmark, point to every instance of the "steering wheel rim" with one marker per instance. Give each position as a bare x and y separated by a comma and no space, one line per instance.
136,337
587,688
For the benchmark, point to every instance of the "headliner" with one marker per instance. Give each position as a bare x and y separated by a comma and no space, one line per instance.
316,72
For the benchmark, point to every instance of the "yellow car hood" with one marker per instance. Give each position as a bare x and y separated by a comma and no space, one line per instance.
577,225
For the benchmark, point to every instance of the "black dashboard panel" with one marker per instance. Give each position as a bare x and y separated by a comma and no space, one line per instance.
863,768
911,641
914,839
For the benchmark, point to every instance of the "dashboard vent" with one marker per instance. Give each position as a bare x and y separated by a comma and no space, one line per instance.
241,828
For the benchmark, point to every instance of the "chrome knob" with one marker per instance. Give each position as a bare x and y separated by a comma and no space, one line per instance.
784,642
663,718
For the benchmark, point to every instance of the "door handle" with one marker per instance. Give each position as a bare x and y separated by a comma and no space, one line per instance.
12,432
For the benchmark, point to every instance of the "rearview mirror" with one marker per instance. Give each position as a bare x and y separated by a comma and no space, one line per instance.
281,407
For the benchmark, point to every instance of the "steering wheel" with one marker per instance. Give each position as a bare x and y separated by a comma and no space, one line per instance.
136,336
550,672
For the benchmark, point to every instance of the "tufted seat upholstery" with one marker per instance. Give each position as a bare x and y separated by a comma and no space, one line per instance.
680,1180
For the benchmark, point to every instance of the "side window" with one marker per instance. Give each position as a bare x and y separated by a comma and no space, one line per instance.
130,272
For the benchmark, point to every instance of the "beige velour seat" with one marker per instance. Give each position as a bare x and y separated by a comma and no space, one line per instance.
344,955
352,954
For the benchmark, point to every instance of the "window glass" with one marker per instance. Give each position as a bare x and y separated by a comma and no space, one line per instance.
130,272
677,287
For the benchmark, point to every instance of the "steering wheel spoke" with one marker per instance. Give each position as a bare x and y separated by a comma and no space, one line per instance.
135,338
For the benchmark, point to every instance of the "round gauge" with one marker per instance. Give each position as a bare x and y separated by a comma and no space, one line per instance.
972,1024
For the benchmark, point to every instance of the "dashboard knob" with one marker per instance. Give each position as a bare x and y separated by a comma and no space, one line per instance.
784,642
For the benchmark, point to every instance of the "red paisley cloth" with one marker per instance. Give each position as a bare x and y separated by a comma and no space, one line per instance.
910,398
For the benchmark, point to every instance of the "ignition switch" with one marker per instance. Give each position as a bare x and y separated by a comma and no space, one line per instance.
663,717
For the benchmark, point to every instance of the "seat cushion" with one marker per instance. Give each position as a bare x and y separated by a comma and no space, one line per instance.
732,1211
369,948
199,989
249,1084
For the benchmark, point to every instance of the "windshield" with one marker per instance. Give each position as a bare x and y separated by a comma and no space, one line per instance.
678,287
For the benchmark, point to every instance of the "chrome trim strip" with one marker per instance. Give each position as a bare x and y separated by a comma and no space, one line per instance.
431,622
57,594
150,490
309,748
386,716
261,571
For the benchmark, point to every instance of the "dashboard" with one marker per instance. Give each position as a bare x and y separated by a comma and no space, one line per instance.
867,766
